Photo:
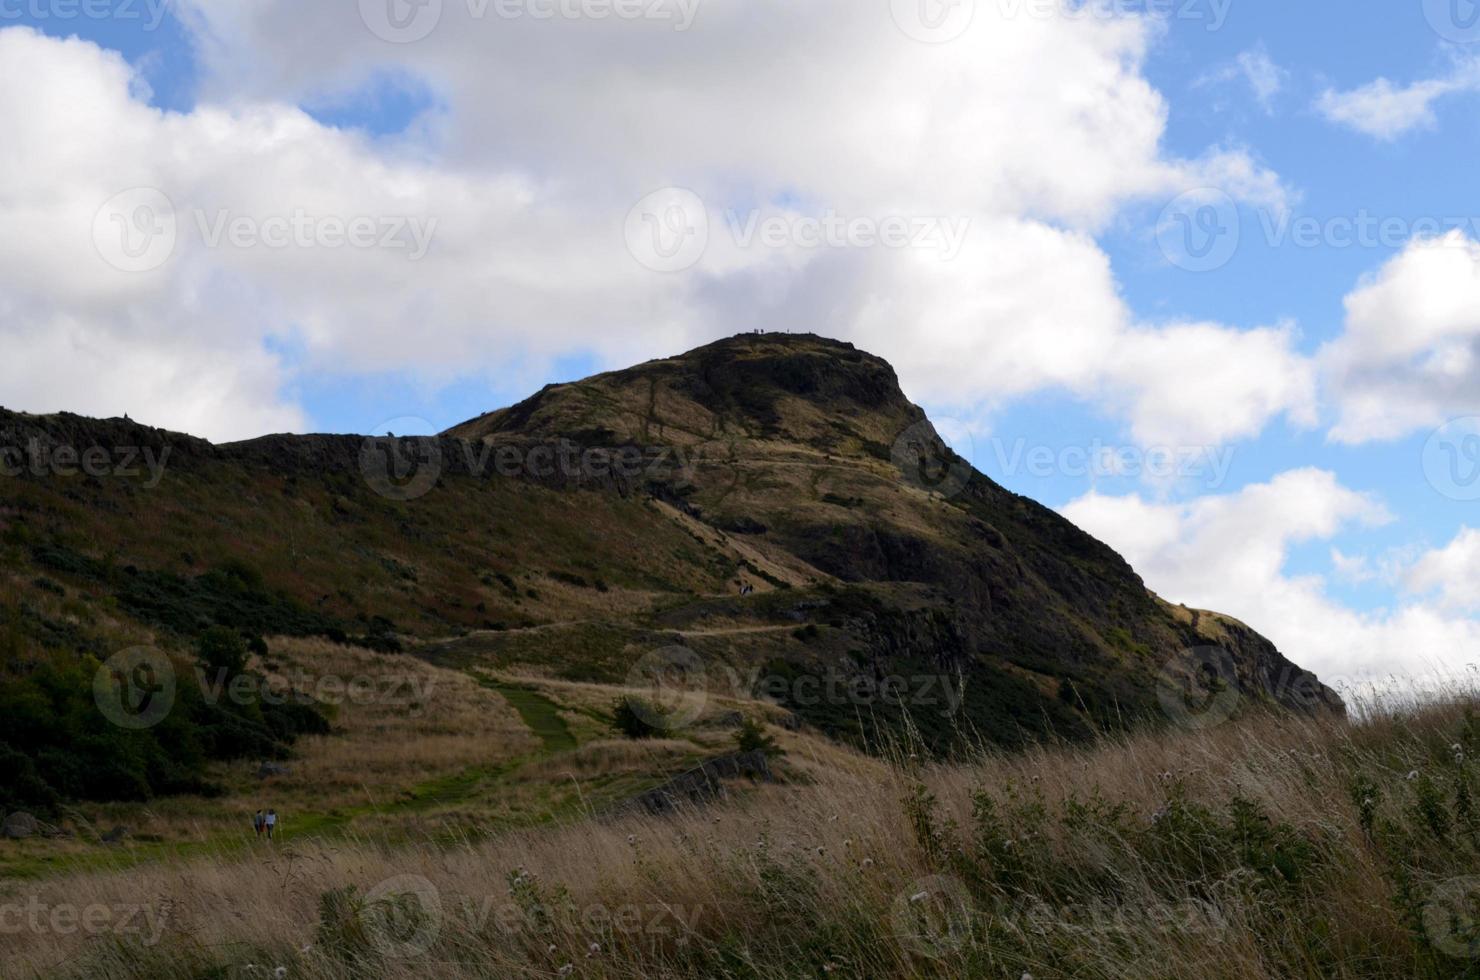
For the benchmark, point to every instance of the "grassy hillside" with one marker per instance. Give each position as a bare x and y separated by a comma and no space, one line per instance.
1273,846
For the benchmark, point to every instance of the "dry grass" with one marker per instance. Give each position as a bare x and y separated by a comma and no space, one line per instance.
1129,859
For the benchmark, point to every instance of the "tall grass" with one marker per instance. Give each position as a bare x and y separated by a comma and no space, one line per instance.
1270,847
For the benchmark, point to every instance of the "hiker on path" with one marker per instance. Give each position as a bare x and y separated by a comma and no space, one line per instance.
259,823
271,823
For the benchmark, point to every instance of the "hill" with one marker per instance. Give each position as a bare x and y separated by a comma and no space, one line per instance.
767,514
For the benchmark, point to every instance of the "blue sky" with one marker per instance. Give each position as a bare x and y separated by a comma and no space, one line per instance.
1281,111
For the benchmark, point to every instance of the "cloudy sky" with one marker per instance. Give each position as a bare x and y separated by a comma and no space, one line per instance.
1203,274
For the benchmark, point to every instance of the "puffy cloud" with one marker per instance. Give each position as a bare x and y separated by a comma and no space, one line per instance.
1407,357
1229,553
1451,572
1386,111
1027,134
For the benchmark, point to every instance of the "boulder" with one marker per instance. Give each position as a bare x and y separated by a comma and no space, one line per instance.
268,769
18,826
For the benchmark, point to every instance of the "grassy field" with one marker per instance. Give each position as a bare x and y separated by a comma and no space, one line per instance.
1267,847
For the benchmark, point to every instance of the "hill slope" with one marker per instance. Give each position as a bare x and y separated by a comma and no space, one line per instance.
772,503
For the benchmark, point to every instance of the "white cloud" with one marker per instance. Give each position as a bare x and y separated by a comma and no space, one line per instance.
1407,358
1451,572
1229,553
1035,131
1256,69
1386,111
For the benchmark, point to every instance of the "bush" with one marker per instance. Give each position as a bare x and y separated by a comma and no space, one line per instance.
636,718
752,737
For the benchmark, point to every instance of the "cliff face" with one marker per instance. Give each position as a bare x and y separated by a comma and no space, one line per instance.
773,503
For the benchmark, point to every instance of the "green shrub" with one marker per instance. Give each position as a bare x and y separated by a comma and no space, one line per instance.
636,718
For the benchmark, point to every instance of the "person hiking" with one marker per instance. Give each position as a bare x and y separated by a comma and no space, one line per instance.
271,823
259,823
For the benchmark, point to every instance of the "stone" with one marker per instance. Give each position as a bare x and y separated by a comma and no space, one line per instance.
18,826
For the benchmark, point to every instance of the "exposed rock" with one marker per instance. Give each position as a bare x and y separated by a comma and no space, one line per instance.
701,785
19,826
270,769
